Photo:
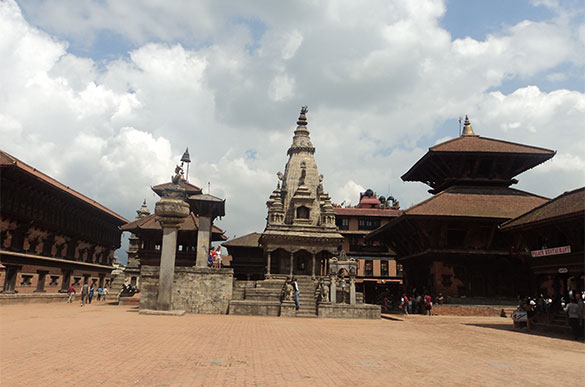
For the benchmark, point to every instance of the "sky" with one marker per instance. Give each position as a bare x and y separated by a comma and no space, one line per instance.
106,95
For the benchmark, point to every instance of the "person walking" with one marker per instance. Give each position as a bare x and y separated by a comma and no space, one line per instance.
106,291
84,293
428,304
100,292
574,312
70,292
218,256
90,295
297,292
404,304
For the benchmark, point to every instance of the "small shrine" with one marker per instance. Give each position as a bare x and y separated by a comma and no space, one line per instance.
172,248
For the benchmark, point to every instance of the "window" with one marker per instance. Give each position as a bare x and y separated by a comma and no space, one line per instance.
384,268
368,224
26,280
303,212
342,223
76,281
54,280
369,268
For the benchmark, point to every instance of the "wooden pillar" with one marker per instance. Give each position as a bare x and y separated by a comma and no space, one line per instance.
313,267
291,262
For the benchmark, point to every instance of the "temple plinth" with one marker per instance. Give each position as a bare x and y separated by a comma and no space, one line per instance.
171,210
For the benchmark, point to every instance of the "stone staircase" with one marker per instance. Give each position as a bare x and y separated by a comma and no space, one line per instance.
307,297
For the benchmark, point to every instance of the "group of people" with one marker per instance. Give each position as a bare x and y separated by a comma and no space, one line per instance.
87,293
417,304
214,257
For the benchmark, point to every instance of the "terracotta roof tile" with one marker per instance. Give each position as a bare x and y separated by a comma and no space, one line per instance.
484,144
8,161
569,203
248,240
150,222
484,202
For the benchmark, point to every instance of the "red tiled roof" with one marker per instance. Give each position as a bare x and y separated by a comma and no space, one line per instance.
248,240
7,160
482,202
569,203
378,212
369,200
150,222
484,144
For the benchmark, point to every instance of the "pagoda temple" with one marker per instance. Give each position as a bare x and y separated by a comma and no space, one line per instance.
300,234
451,243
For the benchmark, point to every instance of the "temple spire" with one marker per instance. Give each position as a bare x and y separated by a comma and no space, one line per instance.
467,129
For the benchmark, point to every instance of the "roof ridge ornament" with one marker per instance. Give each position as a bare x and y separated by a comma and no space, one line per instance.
467,129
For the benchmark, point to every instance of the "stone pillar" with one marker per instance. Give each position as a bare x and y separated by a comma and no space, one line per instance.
352,290
203,240
170,210
268,263
313,268
291,263
333,290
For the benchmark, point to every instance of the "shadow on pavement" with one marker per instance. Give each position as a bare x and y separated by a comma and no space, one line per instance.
534,332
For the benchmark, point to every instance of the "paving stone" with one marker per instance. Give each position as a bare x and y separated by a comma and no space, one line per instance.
100,344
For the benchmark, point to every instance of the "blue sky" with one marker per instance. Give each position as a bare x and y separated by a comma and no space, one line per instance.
110,93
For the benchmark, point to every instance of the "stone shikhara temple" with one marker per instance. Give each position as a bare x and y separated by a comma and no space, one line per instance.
301,240
451,243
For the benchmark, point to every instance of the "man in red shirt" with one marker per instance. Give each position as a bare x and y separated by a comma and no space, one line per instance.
70,293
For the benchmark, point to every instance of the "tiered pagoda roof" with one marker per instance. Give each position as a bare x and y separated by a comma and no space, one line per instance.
474,160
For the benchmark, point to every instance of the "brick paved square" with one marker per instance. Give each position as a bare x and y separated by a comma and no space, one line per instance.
63,344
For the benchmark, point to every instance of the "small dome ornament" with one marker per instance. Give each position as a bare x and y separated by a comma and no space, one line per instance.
467,129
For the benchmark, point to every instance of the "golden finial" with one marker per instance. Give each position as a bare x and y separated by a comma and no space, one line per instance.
467,129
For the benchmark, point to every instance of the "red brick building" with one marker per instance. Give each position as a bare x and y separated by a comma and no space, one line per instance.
378,271
50,235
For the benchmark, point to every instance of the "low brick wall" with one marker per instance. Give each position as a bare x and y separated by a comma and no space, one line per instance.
471,310
34,298
195,290
365,311
255,308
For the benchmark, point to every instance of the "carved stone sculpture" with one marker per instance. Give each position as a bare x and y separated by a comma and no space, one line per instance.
289,293
324,293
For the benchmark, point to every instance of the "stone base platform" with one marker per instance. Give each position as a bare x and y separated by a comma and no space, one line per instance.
195,289
152,312
255,308
134,300
35,298
365,311
471,310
